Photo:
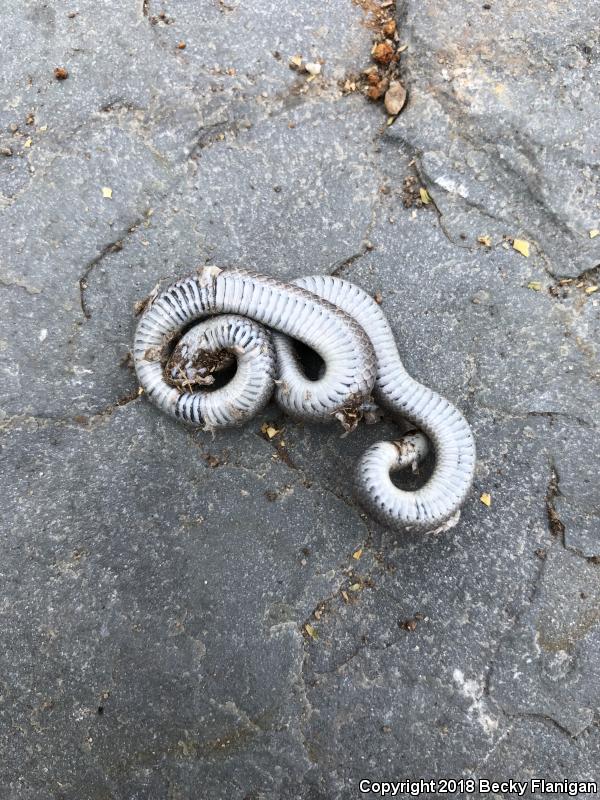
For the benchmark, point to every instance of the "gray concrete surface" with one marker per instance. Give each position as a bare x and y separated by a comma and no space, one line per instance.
156,582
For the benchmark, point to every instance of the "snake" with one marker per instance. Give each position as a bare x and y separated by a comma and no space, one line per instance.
218,319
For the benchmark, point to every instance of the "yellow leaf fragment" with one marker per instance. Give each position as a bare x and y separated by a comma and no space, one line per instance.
425,198
594,232
107,192
535,285
357,553
485,240
269,430
311,631
28,143
521,246
356,587
390,121
486,499
591,289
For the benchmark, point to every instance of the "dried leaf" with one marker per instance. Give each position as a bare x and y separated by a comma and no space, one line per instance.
486,499
485,240
425,198
311,631
357,553
345,596
295,62
535,285
522,246
269,430
591,289
107,192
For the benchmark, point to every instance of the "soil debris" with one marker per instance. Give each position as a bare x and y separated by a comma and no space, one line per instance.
381,80
383,53
413,193
411,624
210,460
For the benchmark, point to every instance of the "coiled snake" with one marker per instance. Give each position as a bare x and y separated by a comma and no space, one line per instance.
233,310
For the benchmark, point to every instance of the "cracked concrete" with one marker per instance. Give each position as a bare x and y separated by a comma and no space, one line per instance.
157,582
503,124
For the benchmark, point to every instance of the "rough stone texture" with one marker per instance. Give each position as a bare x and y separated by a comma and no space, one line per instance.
503,114
156,581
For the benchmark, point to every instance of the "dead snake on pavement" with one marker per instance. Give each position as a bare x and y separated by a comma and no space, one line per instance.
233,310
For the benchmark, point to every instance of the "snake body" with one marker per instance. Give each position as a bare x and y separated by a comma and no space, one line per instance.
233,311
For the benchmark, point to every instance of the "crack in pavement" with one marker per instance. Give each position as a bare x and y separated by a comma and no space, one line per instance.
10,282
17,421
113,247
557,526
